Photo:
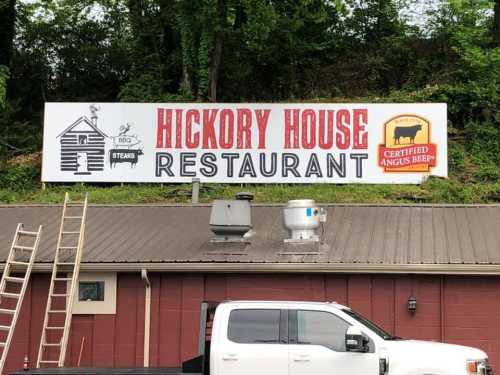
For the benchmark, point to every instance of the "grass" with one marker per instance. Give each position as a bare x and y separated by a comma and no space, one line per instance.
435,190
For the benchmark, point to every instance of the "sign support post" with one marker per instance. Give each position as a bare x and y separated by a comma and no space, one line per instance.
195,194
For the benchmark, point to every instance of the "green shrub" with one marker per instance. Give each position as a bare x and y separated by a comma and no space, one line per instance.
19,177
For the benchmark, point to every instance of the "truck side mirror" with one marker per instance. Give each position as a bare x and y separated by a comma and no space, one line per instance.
355,341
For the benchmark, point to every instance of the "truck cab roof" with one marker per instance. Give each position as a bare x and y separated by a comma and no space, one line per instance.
289,304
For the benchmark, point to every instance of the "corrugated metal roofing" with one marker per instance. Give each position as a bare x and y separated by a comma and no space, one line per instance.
359,234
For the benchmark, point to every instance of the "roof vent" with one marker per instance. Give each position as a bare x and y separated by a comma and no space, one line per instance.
302,218
231,220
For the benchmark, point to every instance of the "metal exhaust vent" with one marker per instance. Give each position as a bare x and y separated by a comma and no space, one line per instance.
302,218
231,220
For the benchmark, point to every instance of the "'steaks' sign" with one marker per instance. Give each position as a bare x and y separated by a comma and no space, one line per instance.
250,143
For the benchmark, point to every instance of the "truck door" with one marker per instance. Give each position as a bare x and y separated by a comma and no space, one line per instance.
317,346
254,344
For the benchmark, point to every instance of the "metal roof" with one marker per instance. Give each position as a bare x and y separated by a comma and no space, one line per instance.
366,235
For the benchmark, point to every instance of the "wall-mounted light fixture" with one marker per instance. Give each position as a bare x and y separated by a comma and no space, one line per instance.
412,304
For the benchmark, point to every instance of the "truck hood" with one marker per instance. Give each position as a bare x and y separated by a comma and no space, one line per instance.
431,349
411,357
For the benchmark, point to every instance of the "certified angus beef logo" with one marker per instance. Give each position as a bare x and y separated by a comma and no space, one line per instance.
408,146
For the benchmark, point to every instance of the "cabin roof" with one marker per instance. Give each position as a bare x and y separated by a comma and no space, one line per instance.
86,120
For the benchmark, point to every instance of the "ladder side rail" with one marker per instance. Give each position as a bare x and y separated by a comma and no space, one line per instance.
6,271
3,283
22,292
51,288
74,282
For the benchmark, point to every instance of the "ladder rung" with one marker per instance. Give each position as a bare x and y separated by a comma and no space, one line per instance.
9,295
4,328
51,344
70,232
18,263
19,247
63,279
59,295
27,233
2,344
57,311
54,328
13,279
47,361
68,247
7,311
73,217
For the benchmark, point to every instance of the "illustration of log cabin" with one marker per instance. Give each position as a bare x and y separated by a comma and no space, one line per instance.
82,146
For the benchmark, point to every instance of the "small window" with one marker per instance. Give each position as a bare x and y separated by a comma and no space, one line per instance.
91,291
96,293
321,328
82,139
254,326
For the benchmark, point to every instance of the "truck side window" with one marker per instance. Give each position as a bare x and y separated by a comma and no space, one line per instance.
254,326
321,328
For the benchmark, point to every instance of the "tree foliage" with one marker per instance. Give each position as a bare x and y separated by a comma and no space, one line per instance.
256,50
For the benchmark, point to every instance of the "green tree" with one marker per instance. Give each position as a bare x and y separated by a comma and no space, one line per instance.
7,20
4,75
496,22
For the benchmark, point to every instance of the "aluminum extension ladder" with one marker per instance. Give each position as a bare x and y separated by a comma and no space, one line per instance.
15,279
63,284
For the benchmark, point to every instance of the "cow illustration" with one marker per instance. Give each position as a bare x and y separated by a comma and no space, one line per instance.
406,132
124,156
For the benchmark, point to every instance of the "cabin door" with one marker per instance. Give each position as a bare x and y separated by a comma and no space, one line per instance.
81,162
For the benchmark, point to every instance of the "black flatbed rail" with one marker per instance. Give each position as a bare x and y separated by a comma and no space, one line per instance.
105,371
196,366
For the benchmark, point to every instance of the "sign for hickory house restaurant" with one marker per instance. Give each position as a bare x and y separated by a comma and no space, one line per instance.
244,143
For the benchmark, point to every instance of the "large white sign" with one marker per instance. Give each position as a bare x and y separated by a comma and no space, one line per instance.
244,143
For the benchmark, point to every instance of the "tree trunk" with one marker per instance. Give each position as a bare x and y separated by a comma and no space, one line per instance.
189,34
496,23
7,22
215,66
216,60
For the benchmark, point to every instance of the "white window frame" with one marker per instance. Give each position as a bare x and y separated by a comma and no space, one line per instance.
108,306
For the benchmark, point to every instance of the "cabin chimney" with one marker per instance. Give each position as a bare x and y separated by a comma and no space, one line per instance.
93,111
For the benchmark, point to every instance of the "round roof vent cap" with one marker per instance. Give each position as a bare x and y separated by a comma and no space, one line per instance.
245,196
301,203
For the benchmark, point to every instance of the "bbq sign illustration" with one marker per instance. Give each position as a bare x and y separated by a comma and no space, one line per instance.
125,148
407,146
244,142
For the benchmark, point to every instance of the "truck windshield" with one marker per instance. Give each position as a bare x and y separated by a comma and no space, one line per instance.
375,328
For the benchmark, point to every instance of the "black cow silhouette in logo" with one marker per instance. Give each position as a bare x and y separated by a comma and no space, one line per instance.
124,156
406,132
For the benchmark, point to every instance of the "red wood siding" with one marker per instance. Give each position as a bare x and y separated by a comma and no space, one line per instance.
462,310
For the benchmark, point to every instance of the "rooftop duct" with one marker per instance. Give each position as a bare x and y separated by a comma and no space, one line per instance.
302,218
231,220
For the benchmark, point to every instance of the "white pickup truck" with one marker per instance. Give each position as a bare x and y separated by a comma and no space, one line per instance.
305,338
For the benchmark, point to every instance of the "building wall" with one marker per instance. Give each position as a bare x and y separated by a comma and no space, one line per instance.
461,310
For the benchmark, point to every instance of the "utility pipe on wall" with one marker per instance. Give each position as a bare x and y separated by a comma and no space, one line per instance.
147,315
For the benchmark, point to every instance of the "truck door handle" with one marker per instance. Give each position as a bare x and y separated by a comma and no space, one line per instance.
302,358
230,357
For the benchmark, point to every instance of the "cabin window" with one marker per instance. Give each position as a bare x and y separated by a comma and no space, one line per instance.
82,139
96,293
